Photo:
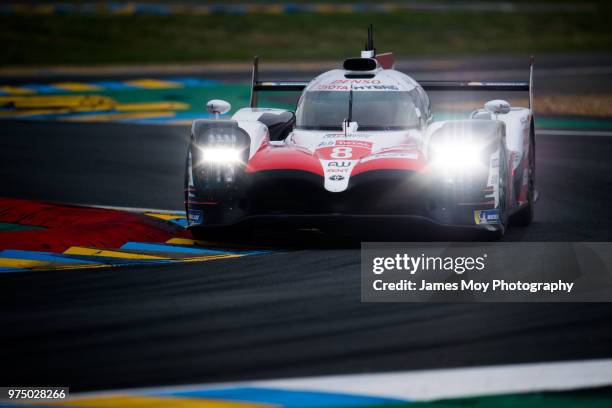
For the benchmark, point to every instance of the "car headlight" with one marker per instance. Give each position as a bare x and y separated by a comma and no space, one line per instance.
219,164
453,156
221,151
221,155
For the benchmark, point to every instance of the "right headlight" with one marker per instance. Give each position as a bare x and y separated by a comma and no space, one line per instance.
457,156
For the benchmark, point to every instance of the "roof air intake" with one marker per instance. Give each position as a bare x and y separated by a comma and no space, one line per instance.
360,64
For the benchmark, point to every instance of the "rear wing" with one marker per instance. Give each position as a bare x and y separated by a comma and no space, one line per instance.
298,86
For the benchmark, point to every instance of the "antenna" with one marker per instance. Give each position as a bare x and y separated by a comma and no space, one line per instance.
370,46
349,119
350,113
369,51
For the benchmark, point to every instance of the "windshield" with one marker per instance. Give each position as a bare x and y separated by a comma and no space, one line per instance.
372,110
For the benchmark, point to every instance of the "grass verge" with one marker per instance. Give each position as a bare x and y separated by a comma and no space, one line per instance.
107,39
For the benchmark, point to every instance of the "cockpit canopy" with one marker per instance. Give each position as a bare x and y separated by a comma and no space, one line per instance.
372,110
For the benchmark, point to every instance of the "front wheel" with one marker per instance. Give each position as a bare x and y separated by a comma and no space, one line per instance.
502,206
525,215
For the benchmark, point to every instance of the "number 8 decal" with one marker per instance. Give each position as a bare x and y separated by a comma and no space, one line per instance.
342,153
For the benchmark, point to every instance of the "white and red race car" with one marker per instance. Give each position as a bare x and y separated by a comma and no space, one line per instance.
363,143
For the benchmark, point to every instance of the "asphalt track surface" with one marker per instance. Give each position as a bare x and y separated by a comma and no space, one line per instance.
294,312
142,166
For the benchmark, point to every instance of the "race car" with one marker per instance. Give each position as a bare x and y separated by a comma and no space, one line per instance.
363,143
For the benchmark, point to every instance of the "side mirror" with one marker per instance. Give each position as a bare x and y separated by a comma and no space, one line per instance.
497,106
218,107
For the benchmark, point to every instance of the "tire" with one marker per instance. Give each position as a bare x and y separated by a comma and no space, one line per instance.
525,215
186,180
503,195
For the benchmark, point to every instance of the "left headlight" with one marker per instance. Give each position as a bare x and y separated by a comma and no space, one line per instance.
221,143
221,155
221,151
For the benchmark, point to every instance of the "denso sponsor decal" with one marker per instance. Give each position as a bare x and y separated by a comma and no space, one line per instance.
486,217
354,81
195,217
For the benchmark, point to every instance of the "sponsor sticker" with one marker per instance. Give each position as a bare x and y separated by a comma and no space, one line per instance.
486,217
336,177
357,85
353,136
344,150
355,143
195,217
391,155
326,143
375,88
357,81
345,163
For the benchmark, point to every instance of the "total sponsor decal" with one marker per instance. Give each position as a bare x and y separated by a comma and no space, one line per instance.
195,217
487,217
